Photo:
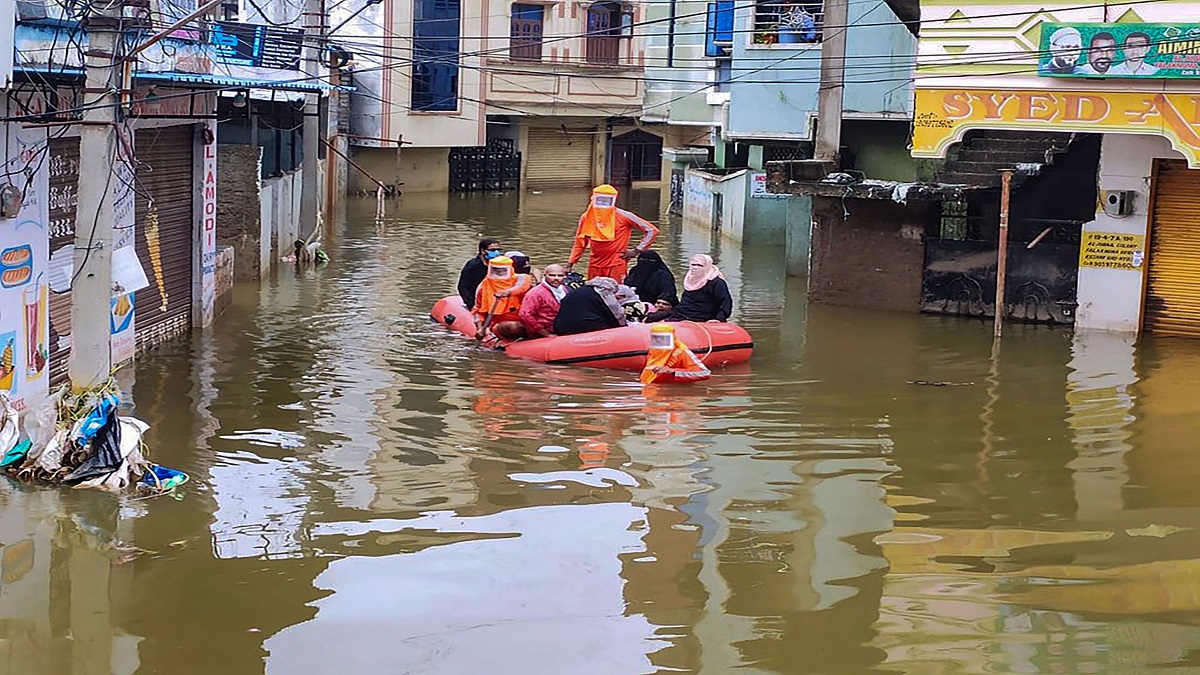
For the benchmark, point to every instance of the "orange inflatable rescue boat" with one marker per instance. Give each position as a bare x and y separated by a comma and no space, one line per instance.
716,344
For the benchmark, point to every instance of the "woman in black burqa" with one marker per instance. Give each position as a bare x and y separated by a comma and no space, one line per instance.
652,279
593,306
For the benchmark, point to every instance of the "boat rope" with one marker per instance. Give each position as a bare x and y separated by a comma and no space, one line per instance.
706,334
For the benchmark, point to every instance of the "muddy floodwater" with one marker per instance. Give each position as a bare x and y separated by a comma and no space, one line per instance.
872,492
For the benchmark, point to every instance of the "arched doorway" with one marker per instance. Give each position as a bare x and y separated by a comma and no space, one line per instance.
635,156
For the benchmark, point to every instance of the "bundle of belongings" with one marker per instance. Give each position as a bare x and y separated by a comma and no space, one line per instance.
81,441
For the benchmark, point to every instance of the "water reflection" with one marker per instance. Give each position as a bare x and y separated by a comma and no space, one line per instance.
371,492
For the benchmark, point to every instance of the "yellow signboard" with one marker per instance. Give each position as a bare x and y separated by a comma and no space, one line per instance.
1112,250
943,115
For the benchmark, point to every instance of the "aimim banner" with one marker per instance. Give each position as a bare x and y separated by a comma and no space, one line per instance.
1154,50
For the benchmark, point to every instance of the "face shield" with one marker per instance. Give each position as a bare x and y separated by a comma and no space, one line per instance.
602,201
662,340
500,271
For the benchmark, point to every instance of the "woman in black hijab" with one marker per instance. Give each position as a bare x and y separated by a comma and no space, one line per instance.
652,278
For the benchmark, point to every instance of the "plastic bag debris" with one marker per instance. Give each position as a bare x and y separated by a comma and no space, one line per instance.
104,445
91,424
18,453
79,440
164,478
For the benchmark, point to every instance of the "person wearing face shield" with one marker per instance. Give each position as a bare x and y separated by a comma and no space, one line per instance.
606,231
475,270
669,360
499,296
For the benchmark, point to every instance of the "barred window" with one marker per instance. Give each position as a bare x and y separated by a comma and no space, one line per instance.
788,22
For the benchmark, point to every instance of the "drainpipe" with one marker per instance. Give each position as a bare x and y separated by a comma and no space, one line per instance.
672,13
833,79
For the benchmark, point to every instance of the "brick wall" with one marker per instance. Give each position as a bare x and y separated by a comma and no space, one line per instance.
224,275
238,211
872,258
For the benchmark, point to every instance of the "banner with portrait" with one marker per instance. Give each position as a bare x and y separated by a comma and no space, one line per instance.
1137,50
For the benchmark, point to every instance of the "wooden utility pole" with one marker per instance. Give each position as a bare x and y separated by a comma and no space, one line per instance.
1002,249
833,80
92,281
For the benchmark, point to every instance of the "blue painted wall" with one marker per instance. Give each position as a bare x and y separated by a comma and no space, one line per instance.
774,90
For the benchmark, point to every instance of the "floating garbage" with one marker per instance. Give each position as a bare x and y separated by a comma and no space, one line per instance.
81,441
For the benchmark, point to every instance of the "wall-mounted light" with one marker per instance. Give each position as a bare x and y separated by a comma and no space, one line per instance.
239,100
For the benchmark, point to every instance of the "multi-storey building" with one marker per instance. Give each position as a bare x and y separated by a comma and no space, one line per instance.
558,82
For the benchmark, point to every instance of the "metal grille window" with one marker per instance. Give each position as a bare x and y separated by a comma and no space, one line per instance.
435,55
784,22
525,32
954,224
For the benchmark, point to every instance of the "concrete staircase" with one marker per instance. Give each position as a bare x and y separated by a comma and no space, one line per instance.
981,155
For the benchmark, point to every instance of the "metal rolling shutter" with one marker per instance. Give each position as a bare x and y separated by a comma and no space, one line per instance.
1173,286
559,158
164,173
64,195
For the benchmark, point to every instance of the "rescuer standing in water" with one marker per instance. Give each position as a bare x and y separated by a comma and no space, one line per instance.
669,360
607,230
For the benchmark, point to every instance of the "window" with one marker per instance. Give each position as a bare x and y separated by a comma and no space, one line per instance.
787,22
435,55
525,32
718,34
606,25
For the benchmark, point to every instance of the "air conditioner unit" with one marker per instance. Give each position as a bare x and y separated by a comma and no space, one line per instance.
1118,203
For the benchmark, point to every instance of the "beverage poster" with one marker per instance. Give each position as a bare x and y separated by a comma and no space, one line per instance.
24,248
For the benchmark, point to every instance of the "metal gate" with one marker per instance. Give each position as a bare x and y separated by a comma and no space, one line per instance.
1173,283
164,216
64,196
493,168
559,158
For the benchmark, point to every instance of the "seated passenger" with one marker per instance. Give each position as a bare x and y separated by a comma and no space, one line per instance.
591,307
705,294
474,271
499,296
635,309
651,278
522,266
540,306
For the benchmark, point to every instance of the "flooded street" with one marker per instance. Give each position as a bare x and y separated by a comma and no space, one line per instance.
372,494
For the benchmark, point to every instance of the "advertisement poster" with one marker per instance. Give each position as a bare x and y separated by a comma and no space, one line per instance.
24,247
121,314
1140,50
758,188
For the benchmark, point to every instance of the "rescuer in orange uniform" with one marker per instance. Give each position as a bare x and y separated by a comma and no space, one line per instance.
606,230
499,294
669,360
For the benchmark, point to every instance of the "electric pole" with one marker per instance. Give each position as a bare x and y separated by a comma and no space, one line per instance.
92,282
313,38
833,80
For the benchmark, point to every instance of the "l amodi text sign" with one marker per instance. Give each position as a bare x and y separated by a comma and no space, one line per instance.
1112,250
942,116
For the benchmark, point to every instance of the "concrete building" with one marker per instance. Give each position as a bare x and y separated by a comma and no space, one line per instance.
771,109
1110,76
417,80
